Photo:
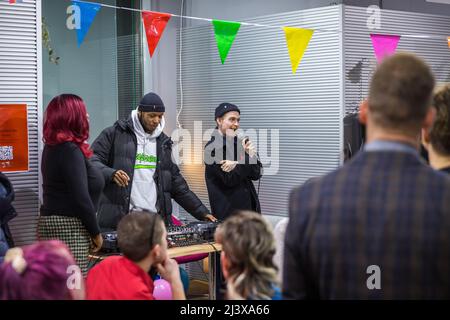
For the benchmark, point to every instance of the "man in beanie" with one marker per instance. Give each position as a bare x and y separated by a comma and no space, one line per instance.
135,157
231,165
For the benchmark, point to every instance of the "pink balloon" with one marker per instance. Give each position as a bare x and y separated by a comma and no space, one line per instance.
162,290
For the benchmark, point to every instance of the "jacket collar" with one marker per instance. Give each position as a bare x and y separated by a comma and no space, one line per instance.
127,125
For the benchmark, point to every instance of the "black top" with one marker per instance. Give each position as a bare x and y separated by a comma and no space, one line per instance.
71,185
354,135
447,170
234,190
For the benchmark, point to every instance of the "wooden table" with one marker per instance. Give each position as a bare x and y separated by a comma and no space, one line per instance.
213,251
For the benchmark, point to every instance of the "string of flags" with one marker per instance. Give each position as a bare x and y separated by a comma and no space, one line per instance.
225,32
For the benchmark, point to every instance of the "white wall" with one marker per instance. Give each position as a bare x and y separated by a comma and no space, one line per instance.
21,83
238,9
420,6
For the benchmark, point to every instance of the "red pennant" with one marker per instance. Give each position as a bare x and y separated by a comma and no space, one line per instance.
154,23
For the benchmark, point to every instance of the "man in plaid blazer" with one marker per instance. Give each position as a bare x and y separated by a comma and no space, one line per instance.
379,227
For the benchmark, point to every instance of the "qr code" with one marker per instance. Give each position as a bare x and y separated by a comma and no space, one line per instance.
6,153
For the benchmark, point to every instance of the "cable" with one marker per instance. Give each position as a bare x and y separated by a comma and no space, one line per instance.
180,70
255,24
259,180
259,185
201,19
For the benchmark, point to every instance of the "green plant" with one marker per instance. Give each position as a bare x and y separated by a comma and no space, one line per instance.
47,43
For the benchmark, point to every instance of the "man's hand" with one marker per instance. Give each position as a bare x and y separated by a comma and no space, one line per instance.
210,217
121,178
250,148
97,242
170,272
168,269
228,165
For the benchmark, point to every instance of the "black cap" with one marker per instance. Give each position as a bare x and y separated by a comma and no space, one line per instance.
151,102
224,108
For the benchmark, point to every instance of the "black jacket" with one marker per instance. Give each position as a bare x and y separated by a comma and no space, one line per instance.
7,211
234,190
115,149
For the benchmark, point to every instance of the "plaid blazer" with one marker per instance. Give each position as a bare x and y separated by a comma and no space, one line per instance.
377,228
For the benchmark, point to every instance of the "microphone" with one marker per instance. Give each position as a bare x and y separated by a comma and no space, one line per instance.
240,135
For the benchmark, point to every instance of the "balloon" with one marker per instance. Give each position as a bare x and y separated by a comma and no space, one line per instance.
185,279
162,290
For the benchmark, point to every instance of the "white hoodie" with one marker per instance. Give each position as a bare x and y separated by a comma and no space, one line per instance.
143,190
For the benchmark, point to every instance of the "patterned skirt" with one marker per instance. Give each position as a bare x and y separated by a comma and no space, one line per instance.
72,232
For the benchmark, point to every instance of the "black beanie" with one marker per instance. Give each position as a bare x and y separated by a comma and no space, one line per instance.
224,108
151,102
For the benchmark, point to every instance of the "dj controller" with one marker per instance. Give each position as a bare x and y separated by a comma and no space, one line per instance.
190,234
177,236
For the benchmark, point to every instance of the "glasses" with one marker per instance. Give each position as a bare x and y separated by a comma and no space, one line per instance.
152,229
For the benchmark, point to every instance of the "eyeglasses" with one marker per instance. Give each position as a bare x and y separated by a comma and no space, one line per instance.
152,229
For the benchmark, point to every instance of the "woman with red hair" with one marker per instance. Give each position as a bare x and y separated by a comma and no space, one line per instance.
71,184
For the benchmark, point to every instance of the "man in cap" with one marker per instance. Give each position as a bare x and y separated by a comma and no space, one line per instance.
135,157
232,165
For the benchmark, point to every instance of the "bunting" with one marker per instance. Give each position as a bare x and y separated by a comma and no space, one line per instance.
154,23
88,11
384,45
225,33
297,40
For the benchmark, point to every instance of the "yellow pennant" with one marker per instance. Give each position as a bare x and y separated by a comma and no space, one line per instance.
297,41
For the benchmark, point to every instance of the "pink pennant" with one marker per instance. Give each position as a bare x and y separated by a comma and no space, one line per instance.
384,45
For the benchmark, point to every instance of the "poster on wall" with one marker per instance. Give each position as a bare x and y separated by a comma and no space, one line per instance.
13,137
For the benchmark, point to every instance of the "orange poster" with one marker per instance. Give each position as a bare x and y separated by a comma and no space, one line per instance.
13,137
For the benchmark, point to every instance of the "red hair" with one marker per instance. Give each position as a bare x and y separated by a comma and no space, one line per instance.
66,120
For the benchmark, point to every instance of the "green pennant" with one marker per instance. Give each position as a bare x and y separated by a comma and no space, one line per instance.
225,32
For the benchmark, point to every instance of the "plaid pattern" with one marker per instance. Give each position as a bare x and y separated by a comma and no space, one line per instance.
383,208
69,230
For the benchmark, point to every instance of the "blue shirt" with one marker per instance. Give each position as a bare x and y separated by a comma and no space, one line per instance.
384,145
277,294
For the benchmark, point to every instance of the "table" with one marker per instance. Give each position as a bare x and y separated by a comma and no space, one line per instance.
213,251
